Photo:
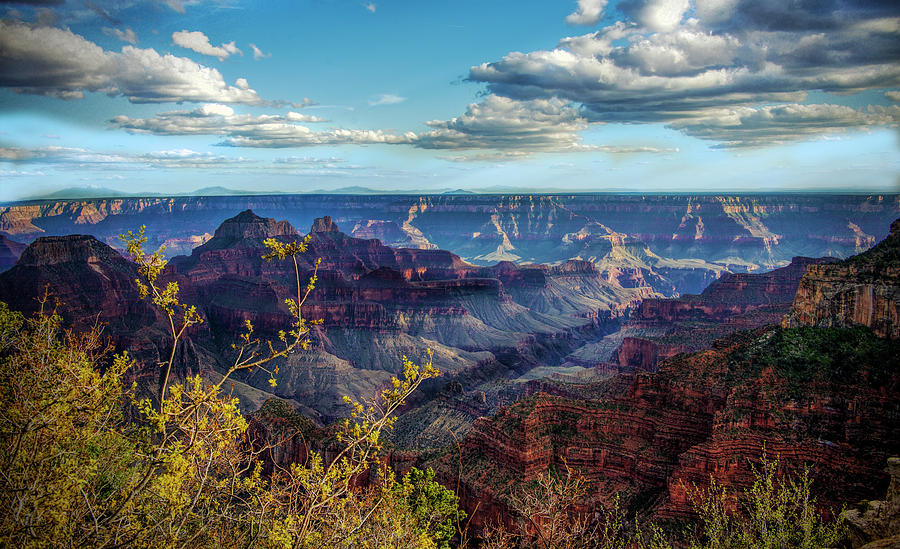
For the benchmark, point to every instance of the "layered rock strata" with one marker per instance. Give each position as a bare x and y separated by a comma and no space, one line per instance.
863,290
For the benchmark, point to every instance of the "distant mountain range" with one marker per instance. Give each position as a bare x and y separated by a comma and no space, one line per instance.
94,192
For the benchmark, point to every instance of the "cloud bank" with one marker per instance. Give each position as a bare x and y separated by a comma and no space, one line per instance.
244,130
59,63
684,63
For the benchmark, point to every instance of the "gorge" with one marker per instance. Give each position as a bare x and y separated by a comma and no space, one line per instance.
651,351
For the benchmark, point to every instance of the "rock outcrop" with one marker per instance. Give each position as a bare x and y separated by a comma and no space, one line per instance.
863,290
88,277
820,395
661,328
376,304
712,414
324,225
876,524
88,283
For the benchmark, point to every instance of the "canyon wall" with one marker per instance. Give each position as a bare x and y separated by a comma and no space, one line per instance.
671,243
815,393
376,304
863,290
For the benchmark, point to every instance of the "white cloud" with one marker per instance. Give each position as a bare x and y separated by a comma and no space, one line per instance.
14,154
588,12
893,96
681,52
506,124
214,109
760,126
199,42
244,130
657,15
213,119
59,63
386,99
301,136
89,159
370,6
126,35
258,53
666,64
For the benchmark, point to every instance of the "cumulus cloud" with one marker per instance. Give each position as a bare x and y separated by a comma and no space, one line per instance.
59,63
386,99
244,130
258,53
126,35
666,63
370,7
893,95
199,42
588,12
510,128
772,124
657,15
503,123
301,136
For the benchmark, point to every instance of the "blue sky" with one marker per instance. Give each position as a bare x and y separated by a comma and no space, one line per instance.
168,96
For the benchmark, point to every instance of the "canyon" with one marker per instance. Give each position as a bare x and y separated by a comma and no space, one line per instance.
661,328
675,244
818,392
376,304
650,342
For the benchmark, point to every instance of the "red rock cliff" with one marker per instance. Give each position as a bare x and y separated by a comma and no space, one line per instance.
863,290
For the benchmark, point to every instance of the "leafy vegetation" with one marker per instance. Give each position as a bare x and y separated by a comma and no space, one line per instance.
808,355
776,512
773,513
180,470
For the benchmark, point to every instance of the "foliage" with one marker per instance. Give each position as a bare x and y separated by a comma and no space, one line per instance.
433,505
774,513
808,355
182,470
76,471
65,463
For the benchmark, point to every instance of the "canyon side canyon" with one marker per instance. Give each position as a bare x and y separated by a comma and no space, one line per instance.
651,342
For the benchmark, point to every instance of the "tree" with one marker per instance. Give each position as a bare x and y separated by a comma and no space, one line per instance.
184,473
433,505
776,512
65,460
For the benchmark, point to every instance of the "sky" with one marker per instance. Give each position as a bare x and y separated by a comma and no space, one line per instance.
171,96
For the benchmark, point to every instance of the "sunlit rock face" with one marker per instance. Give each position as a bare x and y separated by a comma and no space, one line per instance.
862,290
662,328
708,415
